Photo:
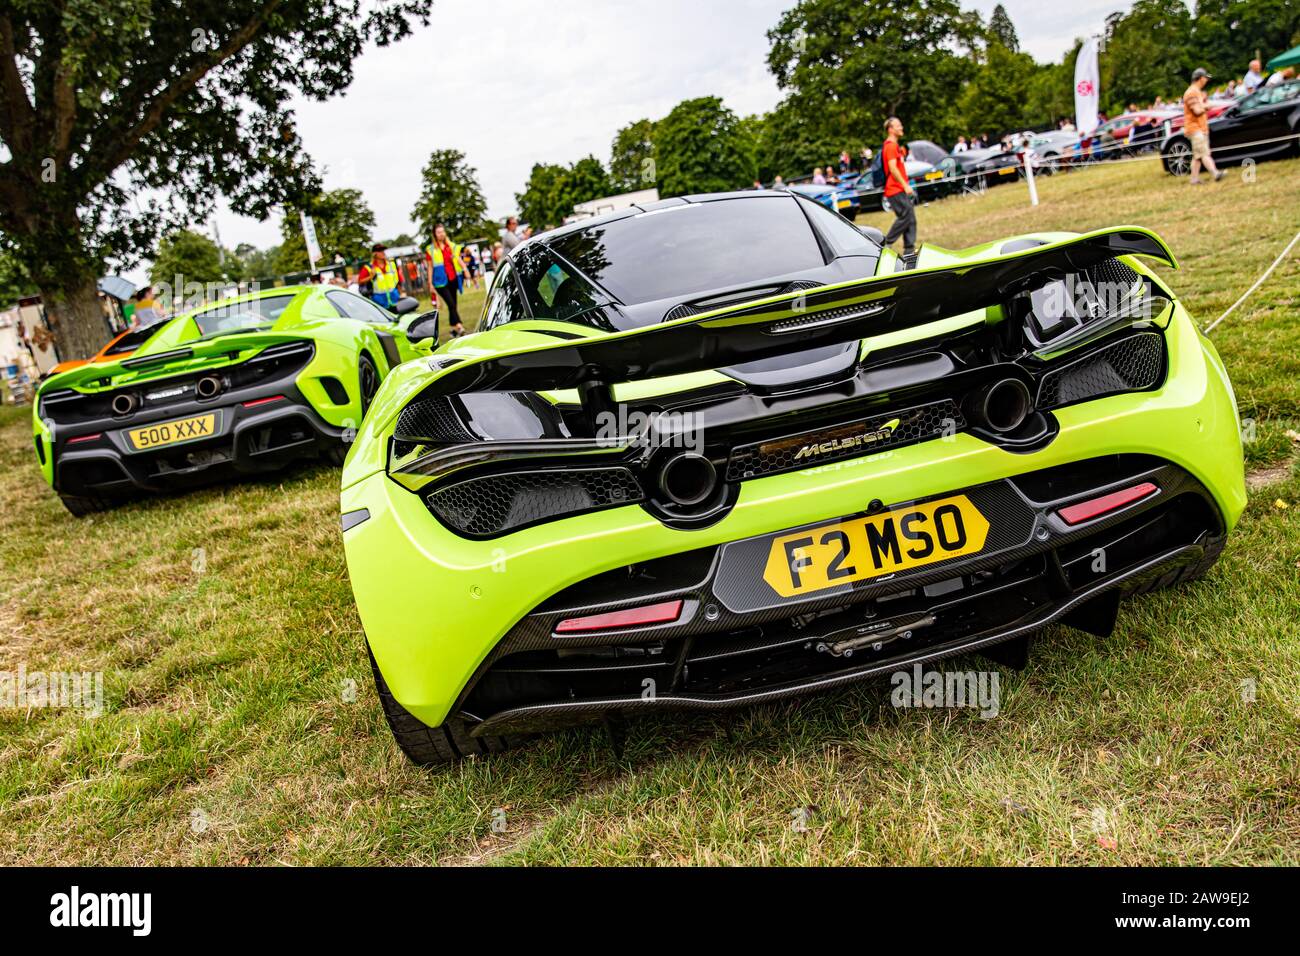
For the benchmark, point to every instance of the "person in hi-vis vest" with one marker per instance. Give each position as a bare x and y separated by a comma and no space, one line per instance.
446,275
382,276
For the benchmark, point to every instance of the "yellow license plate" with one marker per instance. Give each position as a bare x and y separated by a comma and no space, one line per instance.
934,175
882,544
1006,170
844,203
169,433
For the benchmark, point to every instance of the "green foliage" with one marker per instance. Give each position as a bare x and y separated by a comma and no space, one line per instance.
585,180
849,66
344,225
1148,54
787,144
1051,92
631,159
184,257
14,282
1228,34
449,194
247,263
1002,30
552,191
114,99
997,98
542,200
702,147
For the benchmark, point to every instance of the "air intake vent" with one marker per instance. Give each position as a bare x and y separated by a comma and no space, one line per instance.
1132,364
495,504
431,420
680,312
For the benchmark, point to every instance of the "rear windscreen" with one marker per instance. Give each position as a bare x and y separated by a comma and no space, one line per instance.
249,314
696,247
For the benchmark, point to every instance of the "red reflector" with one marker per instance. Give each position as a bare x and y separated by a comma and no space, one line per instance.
1087,510
618,620
81,438
262,401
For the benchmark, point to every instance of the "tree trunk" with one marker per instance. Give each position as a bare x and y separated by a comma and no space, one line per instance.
75,317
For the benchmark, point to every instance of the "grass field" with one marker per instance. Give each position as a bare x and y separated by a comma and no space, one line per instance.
241,725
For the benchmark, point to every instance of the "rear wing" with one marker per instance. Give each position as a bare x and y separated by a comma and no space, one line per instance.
183,357
830,315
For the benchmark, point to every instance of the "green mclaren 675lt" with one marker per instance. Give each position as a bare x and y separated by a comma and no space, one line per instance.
721,450
244,385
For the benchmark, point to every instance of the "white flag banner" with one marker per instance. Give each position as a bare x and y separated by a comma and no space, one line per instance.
1087,87
309,235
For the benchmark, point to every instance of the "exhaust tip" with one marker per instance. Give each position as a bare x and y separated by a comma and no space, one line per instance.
208,386
1001,406
124,403
688,479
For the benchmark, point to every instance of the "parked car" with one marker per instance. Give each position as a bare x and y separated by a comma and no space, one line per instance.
244,385
1263,125
842,199
677,474
119,346
988,166
1053,150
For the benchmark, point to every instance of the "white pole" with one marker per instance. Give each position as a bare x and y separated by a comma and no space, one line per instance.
1028,155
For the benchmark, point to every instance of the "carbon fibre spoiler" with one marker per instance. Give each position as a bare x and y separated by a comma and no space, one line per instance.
185,356
796,321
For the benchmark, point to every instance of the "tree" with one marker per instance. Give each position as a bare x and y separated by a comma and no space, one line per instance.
702,148
1228,34
542,200
583,181
1051,92
997,96
552,191
248,263
789,141
186,262
1148,54
1002,30
14,283
631,159
344,225
102,100
849,66
449,194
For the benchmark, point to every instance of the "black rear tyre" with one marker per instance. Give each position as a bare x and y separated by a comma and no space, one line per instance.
367,381
434,746
81,505
1188,572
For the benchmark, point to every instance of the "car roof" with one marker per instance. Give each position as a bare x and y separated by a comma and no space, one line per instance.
639,209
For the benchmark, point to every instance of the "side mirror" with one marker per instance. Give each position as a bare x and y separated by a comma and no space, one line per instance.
406,305
872,233
423,326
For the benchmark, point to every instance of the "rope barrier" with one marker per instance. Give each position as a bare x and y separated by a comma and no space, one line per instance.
1258,282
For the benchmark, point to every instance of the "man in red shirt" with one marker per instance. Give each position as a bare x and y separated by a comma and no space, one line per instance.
899,192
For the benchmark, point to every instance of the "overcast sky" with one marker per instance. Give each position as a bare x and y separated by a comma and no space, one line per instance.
514,82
